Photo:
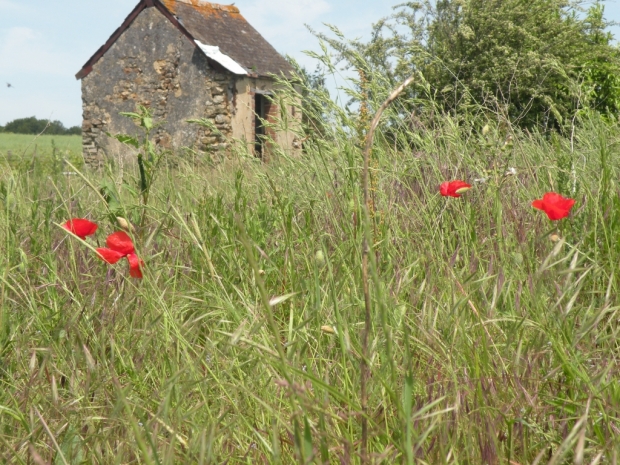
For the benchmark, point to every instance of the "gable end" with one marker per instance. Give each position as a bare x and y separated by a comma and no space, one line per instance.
88,66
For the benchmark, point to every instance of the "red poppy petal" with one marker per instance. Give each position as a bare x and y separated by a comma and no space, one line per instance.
460,186
555,198
443,189
80,227
120,242
555,212
538,204
109,255
552,197
134,266
568,203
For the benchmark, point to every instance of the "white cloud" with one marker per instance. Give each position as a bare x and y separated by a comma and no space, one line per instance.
7,5
23,50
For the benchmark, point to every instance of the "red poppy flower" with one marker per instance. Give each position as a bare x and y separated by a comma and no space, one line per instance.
80,227
119,246
554,205
453,188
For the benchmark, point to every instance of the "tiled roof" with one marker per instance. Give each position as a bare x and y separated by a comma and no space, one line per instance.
211,24
223,25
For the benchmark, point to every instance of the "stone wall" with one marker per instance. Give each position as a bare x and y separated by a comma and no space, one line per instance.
155,65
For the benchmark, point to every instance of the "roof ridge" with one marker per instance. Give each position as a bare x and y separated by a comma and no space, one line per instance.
213,6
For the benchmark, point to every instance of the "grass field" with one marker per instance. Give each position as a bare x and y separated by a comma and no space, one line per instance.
494,332
20,149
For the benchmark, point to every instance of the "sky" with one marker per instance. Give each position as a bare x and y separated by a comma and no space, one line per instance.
44,43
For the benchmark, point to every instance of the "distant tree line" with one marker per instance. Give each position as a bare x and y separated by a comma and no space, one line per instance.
33,125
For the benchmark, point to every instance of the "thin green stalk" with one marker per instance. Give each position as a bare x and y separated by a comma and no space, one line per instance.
364,367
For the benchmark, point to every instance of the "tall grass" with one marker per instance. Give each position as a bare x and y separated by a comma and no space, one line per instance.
490,342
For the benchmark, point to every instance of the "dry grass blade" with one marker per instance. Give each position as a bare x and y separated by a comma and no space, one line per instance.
52,438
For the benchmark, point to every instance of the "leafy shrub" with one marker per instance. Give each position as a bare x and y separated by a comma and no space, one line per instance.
535,63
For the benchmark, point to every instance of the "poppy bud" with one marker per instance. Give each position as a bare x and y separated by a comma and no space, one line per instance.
124,224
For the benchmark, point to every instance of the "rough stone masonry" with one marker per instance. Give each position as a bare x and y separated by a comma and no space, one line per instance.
153,64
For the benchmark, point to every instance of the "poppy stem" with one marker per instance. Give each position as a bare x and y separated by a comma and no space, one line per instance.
364,368
143,187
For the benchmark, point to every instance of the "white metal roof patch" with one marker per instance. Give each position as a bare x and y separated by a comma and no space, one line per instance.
213,52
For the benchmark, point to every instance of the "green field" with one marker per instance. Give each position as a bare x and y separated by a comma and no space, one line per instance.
490,342
41,150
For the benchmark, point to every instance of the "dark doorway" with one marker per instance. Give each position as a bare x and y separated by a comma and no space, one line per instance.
260,115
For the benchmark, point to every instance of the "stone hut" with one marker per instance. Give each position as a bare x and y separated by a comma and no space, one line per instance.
184,59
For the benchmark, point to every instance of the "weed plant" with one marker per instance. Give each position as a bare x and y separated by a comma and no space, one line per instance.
494,336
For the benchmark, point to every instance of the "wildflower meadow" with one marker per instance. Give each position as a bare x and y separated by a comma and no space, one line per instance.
455,302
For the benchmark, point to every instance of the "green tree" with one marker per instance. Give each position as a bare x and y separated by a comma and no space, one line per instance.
536,62
601,81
